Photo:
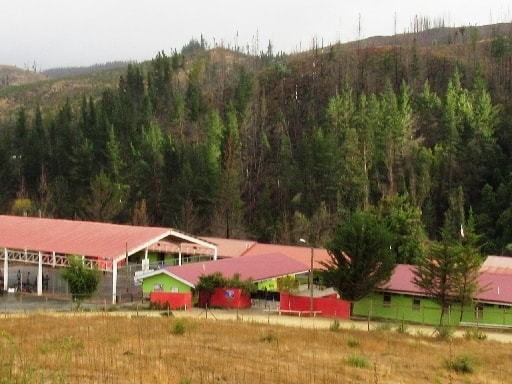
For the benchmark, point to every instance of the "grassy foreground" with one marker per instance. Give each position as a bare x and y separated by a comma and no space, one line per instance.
96,348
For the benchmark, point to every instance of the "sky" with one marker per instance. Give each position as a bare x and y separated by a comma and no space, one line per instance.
63,33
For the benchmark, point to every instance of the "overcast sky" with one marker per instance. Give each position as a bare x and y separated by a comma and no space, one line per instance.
60,33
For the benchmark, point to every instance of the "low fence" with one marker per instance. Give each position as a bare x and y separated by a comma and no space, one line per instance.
328,306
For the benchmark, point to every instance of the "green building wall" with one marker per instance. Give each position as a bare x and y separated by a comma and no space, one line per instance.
401,307
163,283
269,285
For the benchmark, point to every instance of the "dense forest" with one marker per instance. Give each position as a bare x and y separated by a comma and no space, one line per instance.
230,143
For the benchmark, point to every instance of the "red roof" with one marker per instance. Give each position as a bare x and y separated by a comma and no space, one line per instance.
84,238
401,281
300,254
497,264
230,247
257,267
497,288
225,247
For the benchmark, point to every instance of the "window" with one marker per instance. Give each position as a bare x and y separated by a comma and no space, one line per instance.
387,299
416,303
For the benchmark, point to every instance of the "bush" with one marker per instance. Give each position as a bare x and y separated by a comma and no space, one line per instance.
335,326
358,361
475,334
352,342
461,364
444,332
82,282
179,327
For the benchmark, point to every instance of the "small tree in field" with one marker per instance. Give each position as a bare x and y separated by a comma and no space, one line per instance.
82,282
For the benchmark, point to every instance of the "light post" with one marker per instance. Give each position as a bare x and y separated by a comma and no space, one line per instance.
310,279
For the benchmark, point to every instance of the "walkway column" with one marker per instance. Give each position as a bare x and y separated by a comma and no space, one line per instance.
6,270
179,254
145,261
114,281
40,275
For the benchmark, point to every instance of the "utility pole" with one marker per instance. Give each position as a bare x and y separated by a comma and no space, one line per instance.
311,285
310,280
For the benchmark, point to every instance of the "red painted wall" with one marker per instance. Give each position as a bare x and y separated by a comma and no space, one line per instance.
226,298
175,300
330,306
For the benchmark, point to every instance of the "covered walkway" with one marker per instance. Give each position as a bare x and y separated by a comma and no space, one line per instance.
49,242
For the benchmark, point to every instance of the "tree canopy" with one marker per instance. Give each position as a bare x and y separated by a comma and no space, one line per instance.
82,282
223,143
361,256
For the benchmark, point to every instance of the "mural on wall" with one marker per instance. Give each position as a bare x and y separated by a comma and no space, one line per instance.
158,287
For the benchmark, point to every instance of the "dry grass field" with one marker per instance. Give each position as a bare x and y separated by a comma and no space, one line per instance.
115,348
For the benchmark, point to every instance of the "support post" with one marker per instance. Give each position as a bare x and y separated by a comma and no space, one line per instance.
310,278
145,261
311,285
40,274
6,270
114,281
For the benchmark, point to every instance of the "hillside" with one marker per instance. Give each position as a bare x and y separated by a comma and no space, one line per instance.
30,89
53,86
13,76
272,146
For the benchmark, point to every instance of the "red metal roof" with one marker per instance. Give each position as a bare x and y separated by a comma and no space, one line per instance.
497,264
401,281
300,254
225,247
230,247
257,267
108,241
498,288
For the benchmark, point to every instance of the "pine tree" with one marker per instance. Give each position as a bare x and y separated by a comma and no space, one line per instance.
361,257
469,261
435,271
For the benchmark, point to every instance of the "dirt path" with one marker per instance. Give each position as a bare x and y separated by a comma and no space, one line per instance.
268,317
12,306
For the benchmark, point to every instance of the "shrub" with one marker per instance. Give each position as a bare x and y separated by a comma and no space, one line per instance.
358,361
335,326
475,334
179,327
461,364
444,332
352,342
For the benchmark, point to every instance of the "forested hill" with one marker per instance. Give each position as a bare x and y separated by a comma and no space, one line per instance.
225,142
